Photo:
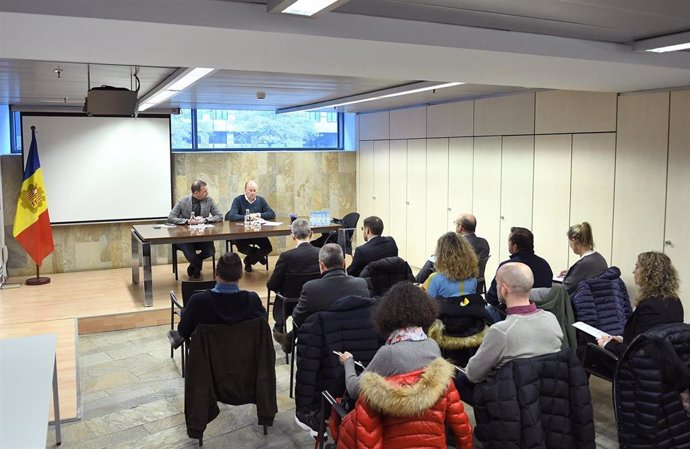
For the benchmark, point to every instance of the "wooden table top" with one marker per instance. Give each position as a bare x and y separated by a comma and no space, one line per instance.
226,230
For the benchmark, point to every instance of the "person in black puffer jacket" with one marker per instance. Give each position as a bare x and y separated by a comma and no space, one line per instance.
382,274
345,326
650,388
539,402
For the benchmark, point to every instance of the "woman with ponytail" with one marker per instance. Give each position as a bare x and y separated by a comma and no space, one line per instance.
591,263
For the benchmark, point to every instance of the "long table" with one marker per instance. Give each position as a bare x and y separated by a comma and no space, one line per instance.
145,235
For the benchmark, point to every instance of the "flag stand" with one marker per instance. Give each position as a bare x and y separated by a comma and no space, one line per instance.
38,280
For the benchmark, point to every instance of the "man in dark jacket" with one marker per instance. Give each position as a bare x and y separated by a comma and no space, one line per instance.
521,249
257,250
376,246
465,225
302,259
224,304
317,295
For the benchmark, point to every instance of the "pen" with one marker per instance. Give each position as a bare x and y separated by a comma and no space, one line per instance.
356,362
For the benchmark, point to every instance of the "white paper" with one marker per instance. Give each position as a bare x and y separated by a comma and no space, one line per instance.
272,223
593,331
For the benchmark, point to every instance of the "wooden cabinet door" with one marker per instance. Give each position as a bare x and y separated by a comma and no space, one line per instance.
381,182
437,192
397,224
365,175
416,202
486,196
460,177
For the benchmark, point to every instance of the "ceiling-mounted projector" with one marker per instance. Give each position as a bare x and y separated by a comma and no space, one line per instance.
111,101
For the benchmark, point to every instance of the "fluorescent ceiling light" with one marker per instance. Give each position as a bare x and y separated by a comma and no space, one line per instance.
664,44
408,89
309,8
176,83
677,47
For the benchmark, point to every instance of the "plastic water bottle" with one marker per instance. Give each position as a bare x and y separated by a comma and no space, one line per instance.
247,219
312,218
191,218
328,217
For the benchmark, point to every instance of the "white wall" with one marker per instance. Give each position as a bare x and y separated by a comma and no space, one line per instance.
544,161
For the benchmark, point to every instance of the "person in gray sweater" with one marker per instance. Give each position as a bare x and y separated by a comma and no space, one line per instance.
591,263
526,331
401,314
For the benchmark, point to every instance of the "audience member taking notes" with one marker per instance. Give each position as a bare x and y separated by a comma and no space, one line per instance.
195,209
590,264
256,250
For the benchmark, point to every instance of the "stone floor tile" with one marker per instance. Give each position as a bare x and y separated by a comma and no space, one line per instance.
132,417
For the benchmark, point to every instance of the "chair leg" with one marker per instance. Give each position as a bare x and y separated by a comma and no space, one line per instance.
184,350
292,364
213,264
268,304
174,261
201,441
172,324
265,430
285,330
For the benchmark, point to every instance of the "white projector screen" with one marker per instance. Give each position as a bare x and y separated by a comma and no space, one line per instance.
103,168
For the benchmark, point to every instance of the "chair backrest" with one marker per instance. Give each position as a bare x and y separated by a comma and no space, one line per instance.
518,405
647,386
482,266
350,225
382,274
191,287
292,287
556,300
463,315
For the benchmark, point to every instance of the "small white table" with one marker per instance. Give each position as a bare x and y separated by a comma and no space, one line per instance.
27,369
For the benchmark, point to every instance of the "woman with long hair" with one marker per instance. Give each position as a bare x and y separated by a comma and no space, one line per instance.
657,303
457,268
407,388
590,264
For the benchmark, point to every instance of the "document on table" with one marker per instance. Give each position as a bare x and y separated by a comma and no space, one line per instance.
272,223
586,328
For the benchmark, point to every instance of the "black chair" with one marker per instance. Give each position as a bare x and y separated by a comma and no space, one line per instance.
461,327
481,282
343,236
221,370
382,274
176,248
292,288
188,289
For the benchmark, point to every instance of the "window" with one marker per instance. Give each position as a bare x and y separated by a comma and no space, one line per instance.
210,129
15,132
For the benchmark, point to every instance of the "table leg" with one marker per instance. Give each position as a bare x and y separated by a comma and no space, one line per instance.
148,281
135,259
56,406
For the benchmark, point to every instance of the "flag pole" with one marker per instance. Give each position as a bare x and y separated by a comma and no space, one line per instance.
38,280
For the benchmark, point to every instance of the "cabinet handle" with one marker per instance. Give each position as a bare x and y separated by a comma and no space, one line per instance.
669,243
502,217
449,209
407,202
373,197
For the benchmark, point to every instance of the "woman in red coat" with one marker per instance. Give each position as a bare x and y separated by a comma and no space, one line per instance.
407,393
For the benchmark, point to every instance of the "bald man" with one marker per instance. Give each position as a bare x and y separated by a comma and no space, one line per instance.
526,331
257,250
465,225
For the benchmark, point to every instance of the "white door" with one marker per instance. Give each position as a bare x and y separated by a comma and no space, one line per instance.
551,209
460,178
397,225
486,196
381,182
639,208
437,191
365,174
591,187
677,234
416,202
517,181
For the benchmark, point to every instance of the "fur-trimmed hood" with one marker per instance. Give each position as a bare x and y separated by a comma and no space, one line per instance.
437,331
410,394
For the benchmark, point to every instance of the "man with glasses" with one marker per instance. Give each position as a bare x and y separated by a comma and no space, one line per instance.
465,225
376,246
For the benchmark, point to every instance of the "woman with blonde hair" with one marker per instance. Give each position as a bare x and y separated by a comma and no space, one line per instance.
657,303
591,263
457,268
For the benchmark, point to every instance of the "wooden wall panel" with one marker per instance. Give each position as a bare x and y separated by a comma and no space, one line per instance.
365,177
437,191
408,123
416,202
374,126
486,196
511,114
560,111
450,119
460,177
397,226
381,181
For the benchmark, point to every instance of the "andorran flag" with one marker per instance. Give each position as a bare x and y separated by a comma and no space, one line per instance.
32,223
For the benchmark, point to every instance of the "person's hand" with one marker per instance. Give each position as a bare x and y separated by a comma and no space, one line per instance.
563,273
602,341
196,220
344,356
256,216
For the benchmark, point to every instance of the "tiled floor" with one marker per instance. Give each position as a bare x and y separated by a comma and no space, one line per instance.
133,397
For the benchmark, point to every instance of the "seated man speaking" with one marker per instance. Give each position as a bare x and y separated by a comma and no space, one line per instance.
257,250
196,208
223,304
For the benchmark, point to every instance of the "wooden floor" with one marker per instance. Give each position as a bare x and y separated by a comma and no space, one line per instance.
94,301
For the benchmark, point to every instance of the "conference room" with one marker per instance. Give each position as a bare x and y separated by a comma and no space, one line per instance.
415,112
